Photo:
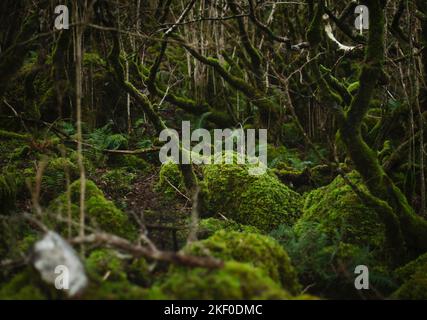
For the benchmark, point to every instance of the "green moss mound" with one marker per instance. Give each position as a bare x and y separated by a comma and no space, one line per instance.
109,279
261,251
170,181
21,287
234,281
414,280
261,201
207,227
101,213
337,212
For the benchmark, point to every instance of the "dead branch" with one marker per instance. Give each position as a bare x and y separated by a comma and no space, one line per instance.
148,252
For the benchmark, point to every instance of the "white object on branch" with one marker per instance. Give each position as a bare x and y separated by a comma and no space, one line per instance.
53,253
328,30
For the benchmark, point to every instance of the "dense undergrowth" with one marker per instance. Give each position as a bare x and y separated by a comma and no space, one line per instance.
276,242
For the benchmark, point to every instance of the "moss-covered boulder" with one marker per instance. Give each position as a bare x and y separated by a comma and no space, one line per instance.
171,181
261,251
234,281
261,201
207,227
100,212
413,277
336,211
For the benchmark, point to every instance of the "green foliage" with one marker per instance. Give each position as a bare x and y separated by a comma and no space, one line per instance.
261,251
233,281
130,163
414,280
22,287
261,201
328,266
54,176
292,134
101,213
104,139
8,190
288,157
119,180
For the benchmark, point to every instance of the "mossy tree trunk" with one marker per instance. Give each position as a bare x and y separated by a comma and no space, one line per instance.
404,227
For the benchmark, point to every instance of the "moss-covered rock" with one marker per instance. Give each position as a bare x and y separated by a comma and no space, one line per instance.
338,213
234,281
100,212
261,251
261,201
170,180
413,277
207,227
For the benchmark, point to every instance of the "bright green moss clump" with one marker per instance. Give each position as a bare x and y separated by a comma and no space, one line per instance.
209,226
21,287
234,281
109,279
261,251
414,278
100,212
338,213
170,176
261,201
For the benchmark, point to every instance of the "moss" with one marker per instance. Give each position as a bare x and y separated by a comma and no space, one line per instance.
131,163
209,226
16,238
100,212
117,290
338,212
13,135
314,32
261,201
261,251
21,287
108,273
169,175
414,280
8,190
119,181
104,263
234,281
